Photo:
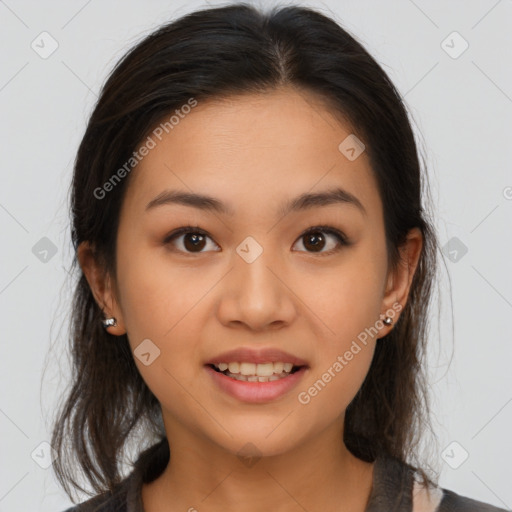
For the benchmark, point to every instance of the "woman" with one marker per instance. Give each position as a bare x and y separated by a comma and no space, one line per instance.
256,271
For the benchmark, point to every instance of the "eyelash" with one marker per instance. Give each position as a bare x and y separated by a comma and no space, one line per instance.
342,239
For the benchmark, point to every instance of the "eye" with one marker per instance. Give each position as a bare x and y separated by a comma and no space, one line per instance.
194,239
315,241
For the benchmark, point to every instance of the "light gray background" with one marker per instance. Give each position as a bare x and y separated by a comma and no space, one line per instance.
461,108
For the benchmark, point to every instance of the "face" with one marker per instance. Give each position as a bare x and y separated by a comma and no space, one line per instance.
255,274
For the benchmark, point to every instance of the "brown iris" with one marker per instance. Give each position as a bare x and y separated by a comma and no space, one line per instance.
193,241
314,240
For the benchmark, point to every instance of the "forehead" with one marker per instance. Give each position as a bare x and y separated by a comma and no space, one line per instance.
253,148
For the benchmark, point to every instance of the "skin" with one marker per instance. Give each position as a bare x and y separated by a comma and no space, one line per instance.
253,152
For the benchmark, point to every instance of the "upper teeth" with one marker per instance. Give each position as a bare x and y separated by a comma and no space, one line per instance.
261,370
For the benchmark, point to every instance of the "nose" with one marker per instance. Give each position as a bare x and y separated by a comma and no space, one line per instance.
257,295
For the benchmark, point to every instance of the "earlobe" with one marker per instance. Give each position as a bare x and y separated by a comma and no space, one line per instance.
100,285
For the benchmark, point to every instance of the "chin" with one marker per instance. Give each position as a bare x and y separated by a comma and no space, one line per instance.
253,446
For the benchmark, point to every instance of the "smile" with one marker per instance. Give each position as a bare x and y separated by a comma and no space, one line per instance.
247,384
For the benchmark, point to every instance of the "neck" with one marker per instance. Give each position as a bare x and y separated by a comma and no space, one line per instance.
321,474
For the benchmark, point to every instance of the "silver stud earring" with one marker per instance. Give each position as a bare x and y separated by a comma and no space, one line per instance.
109,322
388,320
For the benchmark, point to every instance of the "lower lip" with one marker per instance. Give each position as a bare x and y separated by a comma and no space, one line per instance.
256,392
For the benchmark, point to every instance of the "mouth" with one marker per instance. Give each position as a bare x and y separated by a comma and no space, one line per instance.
254,387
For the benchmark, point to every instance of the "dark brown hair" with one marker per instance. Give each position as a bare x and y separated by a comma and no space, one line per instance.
230,50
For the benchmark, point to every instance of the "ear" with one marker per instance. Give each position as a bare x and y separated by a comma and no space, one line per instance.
100,283
399,280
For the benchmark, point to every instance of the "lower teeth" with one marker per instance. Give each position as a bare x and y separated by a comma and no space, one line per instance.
255,378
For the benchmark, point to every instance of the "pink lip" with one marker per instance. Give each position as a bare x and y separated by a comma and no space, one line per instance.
256,392
251,355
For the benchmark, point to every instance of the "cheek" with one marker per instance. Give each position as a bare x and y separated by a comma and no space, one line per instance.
169,305
341,363
155,293
160,305
334,385
346,300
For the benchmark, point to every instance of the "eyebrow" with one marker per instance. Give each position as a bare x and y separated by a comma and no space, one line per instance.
299,203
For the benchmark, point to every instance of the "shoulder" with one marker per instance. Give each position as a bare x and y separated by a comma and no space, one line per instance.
438,499
127,495
453,502
396,486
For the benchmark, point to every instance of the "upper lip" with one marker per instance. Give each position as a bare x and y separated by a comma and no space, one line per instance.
251,355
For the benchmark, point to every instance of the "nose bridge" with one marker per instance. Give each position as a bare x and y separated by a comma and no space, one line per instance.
252,266
255,295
